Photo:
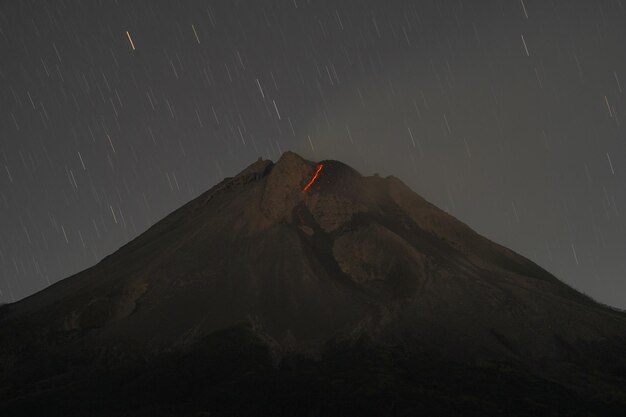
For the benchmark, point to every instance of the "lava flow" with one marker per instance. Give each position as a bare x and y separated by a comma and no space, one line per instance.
317,173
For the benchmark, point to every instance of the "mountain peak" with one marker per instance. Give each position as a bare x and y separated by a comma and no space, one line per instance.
283,189
312,253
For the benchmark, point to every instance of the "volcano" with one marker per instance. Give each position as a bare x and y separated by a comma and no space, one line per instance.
303,288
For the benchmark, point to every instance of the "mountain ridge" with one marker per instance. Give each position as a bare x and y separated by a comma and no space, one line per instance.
299,259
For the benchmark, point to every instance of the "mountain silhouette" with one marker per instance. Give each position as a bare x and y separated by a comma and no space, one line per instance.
303,288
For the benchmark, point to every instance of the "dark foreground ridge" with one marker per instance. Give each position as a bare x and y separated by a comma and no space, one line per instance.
302,288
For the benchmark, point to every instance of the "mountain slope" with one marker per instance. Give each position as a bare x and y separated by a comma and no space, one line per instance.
305,260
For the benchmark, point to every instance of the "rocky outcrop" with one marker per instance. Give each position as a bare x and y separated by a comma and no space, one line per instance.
283,188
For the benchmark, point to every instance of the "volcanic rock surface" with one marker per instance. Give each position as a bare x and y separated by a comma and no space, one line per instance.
306,288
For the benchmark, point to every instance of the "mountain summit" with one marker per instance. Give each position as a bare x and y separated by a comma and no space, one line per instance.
299,286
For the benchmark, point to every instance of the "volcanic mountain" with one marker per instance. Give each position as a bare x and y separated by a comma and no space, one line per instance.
302,288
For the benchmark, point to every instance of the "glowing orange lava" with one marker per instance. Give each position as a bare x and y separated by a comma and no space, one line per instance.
317,173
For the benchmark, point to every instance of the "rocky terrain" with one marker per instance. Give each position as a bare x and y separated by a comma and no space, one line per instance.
303,288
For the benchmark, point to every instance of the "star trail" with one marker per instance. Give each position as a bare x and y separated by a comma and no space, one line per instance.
507,114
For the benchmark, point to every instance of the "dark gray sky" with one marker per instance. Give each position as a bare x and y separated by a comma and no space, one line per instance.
508,114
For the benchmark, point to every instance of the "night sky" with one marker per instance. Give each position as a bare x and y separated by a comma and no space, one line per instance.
508,114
